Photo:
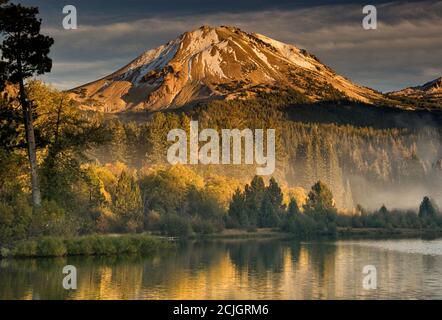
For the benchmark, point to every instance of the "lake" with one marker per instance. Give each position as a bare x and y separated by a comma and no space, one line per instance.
240,269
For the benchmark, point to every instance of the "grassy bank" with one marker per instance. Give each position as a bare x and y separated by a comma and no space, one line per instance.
341,233
98,245
258,233
388,233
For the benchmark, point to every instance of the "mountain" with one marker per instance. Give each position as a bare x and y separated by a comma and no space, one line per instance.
428,94
216,63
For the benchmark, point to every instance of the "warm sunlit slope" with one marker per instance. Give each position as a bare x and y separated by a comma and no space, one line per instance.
210,63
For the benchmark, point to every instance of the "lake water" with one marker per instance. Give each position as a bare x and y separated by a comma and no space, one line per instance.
240,269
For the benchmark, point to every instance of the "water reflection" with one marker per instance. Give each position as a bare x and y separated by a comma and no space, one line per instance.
235,270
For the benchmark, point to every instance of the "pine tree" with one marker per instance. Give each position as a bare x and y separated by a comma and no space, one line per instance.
272,205
383,210
293,209
320,200
275,193
237,210
128,203
254,195
427,209
268,215
24,54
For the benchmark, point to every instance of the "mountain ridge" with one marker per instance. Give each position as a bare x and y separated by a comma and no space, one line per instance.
216,63
429,93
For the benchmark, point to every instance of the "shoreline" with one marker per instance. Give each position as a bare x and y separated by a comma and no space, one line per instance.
92,245
117,244
386,233
341,233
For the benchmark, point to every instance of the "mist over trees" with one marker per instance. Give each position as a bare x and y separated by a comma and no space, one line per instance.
68,172
361,165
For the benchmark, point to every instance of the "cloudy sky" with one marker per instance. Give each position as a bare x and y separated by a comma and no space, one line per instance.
405,50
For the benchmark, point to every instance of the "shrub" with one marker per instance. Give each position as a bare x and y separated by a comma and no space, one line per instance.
176,226
103,245
152,220
204,227
149,245
6,221
51,220
106,220
51,247
79,246
14,220
4,252
302,226
25,249
90,245
127,244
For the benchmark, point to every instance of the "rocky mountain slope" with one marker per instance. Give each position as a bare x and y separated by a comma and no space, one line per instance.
430,92
216,63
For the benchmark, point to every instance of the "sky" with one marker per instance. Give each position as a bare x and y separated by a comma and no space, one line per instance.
405,49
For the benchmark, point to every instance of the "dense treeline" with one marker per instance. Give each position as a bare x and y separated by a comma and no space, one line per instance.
63,135
106,176
260,206
67,172
358,164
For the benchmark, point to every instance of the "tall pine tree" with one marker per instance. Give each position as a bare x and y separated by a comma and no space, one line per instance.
237,210
254,195
24,54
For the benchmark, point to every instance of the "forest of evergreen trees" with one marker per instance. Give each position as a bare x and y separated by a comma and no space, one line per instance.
103,175
67,172
361,165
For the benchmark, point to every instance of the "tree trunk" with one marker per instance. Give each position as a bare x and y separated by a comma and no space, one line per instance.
30,139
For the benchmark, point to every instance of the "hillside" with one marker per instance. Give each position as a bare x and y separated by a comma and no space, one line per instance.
216,63
428,95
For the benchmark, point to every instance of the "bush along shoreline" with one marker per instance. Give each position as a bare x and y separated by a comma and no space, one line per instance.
96,245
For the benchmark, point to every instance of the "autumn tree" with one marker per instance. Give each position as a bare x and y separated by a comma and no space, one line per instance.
65,134
24,54
127,203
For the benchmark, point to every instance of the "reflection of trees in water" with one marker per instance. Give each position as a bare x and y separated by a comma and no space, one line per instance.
322,259
295,250
19,276
42,278
126,276
257,256
222,269
431,263
189,257
122,276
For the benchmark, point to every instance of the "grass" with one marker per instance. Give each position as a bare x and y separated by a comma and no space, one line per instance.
99,245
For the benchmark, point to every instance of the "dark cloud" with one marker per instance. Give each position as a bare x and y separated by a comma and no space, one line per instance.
147,8
405,50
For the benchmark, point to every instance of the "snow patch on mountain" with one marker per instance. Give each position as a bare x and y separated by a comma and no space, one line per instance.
291,53
207,63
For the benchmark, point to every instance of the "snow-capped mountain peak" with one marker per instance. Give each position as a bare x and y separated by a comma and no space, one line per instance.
208,63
